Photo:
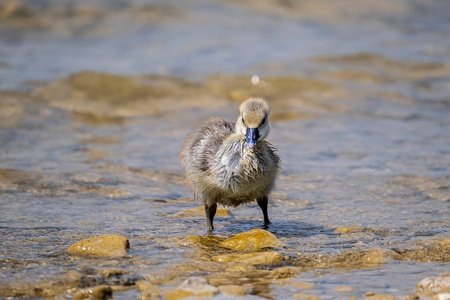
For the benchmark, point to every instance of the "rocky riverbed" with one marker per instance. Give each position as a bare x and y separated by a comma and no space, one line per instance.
97,98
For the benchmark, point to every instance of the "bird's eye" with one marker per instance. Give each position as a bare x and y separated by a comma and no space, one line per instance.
243,121
264,121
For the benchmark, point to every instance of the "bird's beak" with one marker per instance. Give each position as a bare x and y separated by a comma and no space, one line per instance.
252,137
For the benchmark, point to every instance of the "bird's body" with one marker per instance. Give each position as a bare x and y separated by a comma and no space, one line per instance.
231,163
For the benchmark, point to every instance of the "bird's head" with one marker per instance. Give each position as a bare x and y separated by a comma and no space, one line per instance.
253,121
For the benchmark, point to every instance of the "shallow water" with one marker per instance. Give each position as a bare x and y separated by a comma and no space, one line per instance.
360,106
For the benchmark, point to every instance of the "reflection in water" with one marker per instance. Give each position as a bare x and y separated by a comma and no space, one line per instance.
359,114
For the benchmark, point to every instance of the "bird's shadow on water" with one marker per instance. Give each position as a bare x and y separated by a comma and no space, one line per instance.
282,228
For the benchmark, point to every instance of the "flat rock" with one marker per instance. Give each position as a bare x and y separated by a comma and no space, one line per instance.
251,240
433,285
253,258
109,245
200,212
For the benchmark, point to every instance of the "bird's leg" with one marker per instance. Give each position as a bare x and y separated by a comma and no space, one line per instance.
210,213
263,202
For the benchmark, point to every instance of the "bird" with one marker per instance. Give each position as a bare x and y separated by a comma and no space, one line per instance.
231,163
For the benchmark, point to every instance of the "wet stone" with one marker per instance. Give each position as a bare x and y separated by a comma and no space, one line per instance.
193,286
441,296
233,290
284,272
97,293
433,285
426,251
347,229
106,245
251,240
111,272
253,258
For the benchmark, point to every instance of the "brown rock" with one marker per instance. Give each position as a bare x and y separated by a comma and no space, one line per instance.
111,272
251,240
441,296
233,290
106,245
254,258
97,293
175,295
284,272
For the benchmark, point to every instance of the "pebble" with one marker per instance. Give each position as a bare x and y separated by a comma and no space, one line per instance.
433,285
251,240
109,245
253,258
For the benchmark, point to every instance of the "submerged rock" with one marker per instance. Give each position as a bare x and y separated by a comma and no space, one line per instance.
344,289
426,251
251,240
373,296
305,296
109,245
193,286
97,293
254,258
111,272
233,290
347,229
200,211
433,285
284,272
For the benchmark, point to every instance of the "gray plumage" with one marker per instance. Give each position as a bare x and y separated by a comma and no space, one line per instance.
231,163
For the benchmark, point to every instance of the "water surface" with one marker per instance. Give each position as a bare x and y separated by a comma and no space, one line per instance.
98,97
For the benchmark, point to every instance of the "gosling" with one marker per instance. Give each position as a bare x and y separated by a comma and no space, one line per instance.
231,163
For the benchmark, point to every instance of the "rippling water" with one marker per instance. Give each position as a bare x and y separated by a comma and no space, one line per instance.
98,97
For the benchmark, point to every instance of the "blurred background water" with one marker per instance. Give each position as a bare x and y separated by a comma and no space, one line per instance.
97,97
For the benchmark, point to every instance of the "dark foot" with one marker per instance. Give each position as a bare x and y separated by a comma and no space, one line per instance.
263,203
210,213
